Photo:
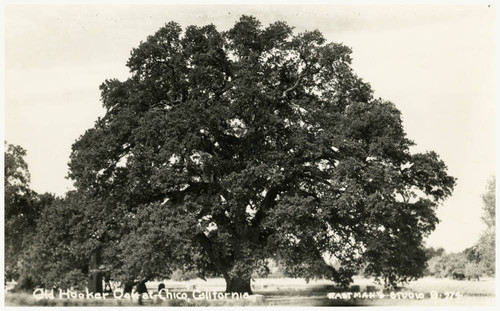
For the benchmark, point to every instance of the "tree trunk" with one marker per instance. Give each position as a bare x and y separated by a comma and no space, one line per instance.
94,284
238,285
128,286
233,284
141,288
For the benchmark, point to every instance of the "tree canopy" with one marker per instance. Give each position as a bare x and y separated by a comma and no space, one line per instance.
227,148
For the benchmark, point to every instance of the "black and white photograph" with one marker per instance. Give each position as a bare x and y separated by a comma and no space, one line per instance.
249,154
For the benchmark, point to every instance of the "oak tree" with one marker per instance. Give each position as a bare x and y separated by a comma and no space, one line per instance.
224,149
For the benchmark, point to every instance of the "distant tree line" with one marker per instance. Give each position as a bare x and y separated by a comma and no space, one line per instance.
473,262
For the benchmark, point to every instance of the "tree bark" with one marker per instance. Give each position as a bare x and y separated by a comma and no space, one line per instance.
128,286
141,287
233,284
238,285
94,284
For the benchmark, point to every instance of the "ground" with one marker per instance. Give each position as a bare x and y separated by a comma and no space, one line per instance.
297,292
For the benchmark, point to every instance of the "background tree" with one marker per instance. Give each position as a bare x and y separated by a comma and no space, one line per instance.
474,261
58,254
473,271
225,149
486,244
449,264
18,208
21,211
431,252
467,263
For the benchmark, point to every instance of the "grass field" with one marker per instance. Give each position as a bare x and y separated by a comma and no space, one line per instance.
296,292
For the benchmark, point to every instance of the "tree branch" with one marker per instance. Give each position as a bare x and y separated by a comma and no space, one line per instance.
294,86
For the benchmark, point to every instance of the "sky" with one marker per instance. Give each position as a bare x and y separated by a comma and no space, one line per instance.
436,63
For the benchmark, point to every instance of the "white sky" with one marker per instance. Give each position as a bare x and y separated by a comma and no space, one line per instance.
436,63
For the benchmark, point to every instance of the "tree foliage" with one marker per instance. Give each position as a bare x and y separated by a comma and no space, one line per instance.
467,264
489,204
59,253
21,210
475,261
431,252
446,265
225,149
486,246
